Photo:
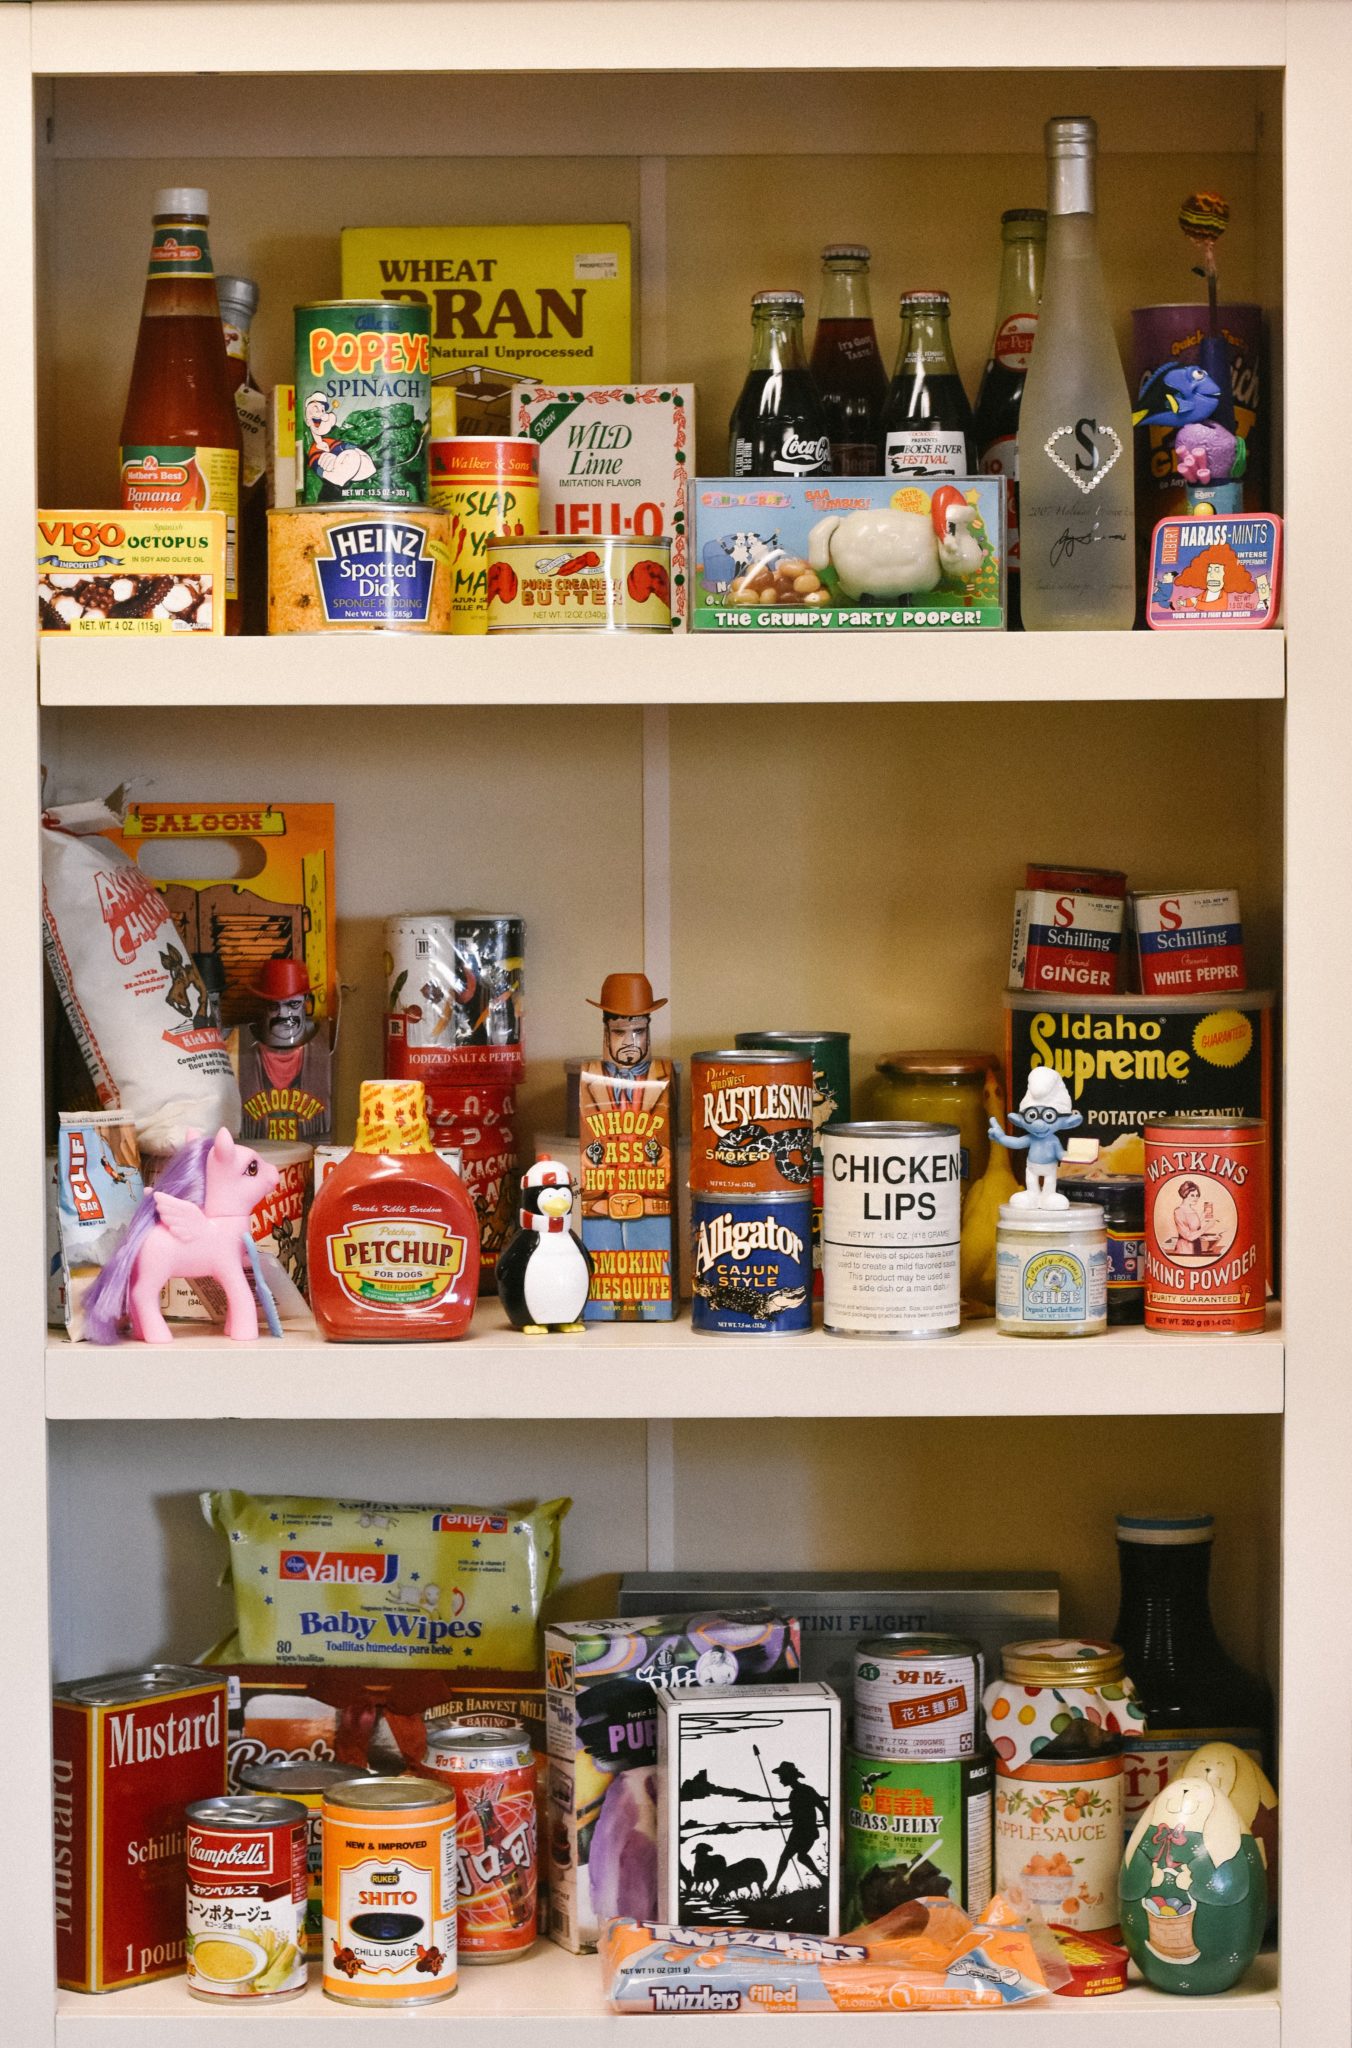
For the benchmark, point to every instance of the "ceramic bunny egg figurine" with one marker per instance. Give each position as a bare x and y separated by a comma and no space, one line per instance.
1249,1790
1194,1894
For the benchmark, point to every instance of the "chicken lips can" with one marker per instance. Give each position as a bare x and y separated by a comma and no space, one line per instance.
917,1697
358,568
389,1892
751,1264
1206,1224
364,400
587,584
492,1773
751,1123
247,1887
891,1203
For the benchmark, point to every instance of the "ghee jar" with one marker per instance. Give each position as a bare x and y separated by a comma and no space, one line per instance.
1051,1271
940,1088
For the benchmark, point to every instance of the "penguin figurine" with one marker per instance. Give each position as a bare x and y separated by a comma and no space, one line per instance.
544,1275
1193,1891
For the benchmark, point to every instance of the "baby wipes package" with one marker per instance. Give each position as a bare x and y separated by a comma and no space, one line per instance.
340,1582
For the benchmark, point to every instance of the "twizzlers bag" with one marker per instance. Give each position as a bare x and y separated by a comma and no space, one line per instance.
130,991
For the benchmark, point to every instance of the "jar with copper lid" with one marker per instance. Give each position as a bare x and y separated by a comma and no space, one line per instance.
940,1088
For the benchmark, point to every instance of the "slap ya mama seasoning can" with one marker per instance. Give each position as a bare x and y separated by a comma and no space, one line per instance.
363,400
1206,1224
891,1206
541,585
358,568
389,1892
246,1897
916,1831
750,1123
751,1264
918,1697
489,489
492,1774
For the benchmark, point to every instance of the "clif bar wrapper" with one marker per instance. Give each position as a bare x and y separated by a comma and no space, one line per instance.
1067,940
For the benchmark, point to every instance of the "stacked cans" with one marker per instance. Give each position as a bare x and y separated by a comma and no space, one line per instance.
453,1014
751,1191
918,1778
829,1052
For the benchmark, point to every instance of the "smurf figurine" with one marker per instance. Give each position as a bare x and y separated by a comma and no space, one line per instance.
544,1275
1044,1111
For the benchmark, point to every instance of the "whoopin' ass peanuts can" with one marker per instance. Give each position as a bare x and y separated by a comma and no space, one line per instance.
246,1897
389,1892
751,1123
363,400
1206,1224
917,1696
492,1774
891,1205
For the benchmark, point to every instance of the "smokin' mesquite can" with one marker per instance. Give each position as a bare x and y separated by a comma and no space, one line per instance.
305,1780
363,400
389,1892
750,1123
246,1897
492,1773
891,1205
917,1697
914,1830
751,1264
1206,1224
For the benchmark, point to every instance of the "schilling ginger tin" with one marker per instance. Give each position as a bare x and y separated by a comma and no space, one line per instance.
1206,1224
389,1892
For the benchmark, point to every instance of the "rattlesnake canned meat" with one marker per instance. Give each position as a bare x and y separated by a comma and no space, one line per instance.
751,1123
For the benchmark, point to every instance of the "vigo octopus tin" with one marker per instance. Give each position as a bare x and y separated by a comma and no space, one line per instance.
543,584
751,1264
1206,1224
751,1123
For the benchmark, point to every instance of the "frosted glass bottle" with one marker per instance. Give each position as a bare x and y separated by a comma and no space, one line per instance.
1076,496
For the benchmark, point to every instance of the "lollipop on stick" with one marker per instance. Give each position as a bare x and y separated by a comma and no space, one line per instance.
1204,217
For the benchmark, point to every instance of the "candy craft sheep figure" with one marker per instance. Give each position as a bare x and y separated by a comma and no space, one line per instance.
891,553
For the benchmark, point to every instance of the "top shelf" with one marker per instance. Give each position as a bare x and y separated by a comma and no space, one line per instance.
931,666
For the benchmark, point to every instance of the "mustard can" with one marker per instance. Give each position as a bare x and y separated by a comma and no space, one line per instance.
544,584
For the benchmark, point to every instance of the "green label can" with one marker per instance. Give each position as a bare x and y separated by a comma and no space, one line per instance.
364,400
916,1831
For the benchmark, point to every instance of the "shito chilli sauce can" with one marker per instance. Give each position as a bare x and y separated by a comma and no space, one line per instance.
1206,1224
389,1892
247,1888
891,1208
492,1774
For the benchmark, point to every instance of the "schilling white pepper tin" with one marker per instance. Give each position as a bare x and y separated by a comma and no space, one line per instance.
891,1199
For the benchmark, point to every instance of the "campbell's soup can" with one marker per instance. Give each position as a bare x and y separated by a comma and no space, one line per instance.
247,1888
492,1774
491,489
750,1123
583,584
917,1696
389,1873
1206,1224
891,1210
304,1780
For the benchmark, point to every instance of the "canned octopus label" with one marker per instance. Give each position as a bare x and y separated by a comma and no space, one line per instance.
917,1697
247,1885
751,1268
891,1202
1206,1224
916,1831
751,1123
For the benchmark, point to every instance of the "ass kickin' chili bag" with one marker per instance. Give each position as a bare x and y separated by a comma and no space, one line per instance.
367,1582
127,983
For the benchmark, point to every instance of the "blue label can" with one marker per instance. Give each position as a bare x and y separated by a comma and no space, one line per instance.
751,1264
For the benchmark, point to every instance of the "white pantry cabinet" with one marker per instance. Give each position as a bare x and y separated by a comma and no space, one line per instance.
774,837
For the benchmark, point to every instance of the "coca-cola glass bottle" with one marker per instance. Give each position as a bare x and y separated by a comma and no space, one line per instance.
778,425
927,422
846,362
1023,230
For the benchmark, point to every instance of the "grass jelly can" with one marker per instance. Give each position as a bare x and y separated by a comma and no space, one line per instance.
917,1697
751,1264
891,1203
916,1831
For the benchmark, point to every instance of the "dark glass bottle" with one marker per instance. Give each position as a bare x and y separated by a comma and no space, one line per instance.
778,426
1192,1691
1023,231
846,364
927,422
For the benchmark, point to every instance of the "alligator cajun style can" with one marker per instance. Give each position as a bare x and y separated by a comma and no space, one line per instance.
389,1892
363,400
829,1052
492,1772
751,1123
541,585
305,1781
751,1264
917,1697
489,488
1206,1224
914,1831
891,1206
246,1897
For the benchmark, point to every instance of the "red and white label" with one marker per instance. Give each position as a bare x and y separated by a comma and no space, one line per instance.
1064,940
1189,943
1013,345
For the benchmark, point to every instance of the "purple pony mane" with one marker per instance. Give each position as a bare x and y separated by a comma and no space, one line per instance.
106,1304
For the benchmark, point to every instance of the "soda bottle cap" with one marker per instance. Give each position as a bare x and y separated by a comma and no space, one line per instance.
1028,213
938,300
846,252
176,199
1168,1529
791,299
1072,135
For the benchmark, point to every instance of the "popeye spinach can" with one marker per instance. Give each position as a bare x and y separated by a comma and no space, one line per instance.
364,400
751,1264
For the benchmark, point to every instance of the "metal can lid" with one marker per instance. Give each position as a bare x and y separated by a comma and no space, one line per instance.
911,1643
190,199
298,1774
125,1688
1077,1219
885,1129
747,1041
352,508
1166,1529
475,1744
789,299
391,308
1207,1126
239,292
847,252
388,1795
942,1066
245,1810
1063,1660
743,1056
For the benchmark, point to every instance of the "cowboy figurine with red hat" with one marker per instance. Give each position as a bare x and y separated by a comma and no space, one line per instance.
285,1061
626,1128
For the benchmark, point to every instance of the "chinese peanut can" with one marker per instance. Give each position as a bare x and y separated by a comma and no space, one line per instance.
1206,1224
918,1697
492,1774
247,1885
491,489
590,584
389,1892
751,1123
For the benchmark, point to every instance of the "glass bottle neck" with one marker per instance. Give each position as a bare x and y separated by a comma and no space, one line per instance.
845,293
1165,1613
1020,276
777,342
925,345
1070,185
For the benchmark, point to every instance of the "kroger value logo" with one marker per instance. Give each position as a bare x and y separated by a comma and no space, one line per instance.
341,1567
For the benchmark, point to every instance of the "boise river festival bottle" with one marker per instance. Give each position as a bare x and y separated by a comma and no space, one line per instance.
1023,230
778,426
1077,558
846,365
927,422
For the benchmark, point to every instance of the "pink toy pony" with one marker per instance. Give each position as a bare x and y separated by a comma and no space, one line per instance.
192,1225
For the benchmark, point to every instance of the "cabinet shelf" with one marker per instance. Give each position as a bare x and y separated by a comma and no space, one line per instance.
629,1370
935,666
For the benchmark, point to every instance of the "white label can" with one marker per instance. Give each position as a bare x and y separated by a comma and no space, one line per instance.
891,1203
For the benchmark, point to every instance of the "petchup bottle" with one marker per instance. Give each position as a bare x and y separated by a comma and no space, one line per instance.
927,421
180,438
1077,562
846,364
778,426
1023,231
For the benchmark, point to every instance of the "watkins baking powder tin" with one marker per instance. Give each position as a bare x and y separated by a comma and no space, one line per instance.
917,1697
891,1203
751,1123
1206,1224
247,1887
751,1264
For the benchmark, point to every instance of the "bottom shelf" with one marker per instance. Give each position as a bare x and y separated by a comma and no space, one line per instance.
504,2008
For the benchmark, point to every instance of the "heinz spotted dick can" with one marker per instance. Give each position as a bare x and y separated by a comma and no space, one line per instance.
891,1199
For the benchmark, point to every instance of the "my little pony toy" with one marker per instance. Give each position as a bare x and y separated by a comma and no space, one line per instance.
192,1225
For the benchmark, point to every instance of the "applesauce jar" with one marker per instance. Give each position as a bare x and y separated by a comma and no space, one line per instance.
941,1088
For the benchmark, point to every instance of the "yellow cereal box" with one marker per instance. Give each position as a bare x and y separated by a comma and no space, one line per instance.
549,302
131,572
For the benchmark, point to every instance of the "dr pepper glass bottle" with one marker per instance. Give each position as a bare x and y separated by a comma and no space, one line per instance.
778,426
1023,231
846,364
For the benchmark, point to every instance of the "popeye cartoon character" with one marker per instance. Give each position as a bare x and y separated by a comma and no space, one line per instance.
337,463
1044,1111
285,1062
